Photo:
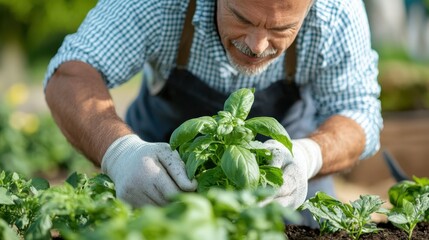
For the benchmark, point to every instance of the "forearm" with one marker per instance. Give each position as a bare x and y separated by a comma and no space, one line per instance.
342,141
83,109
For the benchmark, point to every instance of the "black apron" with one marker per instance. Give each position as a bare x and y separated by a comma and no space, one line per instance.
183,96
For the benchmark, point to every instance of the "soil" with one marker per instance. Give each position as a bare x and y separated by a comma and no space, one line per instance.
388,232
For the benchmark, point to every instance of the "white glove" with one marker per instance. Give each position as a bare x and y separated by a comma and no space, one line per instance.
305,163
145,173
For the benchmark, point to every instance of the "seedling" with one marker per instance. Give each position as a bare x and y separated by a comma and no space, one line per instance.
333,215
409,214
410,200
409,190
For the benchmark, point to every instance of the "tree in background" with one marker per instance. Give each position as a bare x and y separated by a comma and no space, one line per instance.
39,26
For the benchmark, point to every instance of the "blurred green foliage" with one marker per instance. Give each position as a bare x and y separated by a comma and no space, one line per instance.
40,25
32,144
405,85
404,81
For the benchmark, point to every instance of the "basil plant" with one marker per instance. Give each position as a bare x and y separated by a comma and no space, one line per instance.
221,150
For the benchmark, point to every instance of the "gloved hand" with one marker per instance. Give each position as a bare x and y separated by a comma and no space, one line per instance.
305,163
145,173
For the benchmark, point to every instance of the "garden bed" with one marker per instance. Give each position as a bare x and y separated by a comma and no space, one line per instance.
387,232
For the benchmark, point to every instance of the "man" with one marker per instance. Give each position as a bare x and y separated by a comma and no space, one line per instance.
325,92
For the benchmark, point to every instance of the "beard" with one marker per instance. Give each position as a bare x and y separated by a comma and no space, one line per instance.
250,70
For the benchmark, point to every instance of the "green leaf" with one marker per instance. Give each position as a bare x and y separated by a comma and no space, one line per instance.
240,102
198,152
189,130
421,181
200,144
40,183
272,176
398,218
240,166
75,179
270,127
224,201
6,232
366,205
224,129
40,229
240,135
399,191
5,198
213,177
192,164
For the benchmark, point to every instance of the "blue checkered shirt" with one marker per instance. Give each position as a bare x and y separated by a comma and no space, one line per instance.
335,59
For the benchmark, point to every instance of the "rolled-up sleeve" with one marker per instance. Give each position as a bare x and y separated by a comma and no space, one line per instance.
346,81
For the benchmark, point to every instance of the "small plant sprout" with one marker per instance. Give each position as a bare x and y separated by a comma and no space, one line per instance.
333,215
410,213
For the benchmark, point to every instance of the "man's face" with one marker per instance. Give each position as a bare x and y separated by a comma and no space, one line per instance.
255,32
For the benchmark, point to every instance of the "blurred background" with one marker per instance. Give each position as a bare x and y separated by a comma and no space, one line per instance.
30,143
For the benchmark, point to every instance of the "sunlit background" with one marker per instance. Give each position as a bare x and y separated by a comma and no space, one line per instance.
31,144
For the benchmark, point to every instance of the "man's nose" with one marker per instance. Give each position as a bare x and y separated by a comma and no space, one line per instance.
257,40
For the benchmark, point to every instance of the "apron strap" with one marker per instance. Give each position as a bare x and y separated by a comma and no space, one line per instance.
186,42
290,63
186,38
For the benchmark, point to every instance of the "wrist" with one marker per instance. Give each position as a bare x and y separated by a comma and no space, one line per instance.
122,145
309,151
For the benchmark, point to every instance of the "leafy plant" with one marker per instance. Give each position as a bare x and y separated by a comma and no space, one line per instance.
409,213
221,150
409,190
31,144
85,208
34,209
410,200
19,199
6,232
214,215
333,215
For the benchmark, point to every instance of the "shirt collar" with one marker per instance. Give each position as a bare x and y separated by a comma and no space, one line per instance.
204,23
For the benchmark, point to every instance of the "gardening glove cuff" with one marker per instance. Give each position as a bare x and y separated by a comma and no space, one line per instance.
308,150
305,163
145,173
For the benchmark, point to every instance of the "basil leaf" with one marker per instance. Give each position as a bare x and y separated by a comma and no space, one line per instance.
398,218
240,102
270,127
6,232
200,144
40,183
272,176
190,129
240,166
224,129
211,178
192,164
5,198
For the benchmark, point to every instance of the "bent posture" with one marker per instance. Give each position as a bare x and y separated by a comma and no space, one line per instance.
310,62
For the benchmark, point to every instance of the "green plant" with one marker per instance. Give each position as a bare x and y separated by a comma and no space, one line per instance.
410,200
333,215
7,232
19,199
32,144
409,190
214,215
221,150
33,208
85,208
409,213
